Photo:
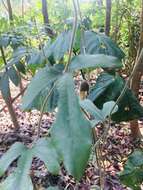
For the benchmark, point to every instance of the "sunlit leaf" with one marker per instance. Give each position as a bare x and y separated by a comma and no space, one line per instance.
20,179
71,131
10,156
94,61
101,44
45,150
41,80
132,175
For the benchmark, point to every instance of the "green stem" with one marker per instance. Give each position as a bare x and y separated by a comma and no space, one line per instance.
73,35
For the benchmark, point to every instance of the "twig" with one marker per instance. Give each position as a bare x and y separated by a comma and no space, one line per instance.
4,5
82,37
82,30
15,98
22,7
73,35
42,110
39,38
3,56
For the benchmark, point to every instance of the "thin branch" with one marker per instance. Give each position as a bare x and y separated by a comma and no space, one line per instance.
82,29
22,7
42,110
14,99
73,35
4,5
39,38
3,56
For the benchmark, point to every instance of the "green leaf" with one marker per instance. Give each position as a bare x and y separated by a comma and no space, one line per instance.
13,75
99,115
4,85
132,175
129,107
20,67
46,151
61,45
107,108
53,188
41,80
4,41
101,44
87,105
94,61
20,179
102,82
71,132
20,52
40,98
10,156
35,60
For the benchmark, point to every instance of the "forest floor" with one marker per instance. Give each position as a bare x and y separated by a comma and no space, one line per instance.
118,146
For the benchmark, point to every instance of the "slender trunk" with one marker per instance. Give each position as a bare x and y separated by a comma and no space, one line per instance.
22,11
8,100
135,83
12,113
48,30
116,29
21,87
20,84
108,17
9,10
14,99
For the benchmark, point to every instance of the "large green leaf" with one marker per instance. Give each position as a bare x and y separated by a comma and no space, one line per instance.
4,85
20,179
103,81
20,67
109,108
10,156
94,61
41,80
35,59
4,41
46,151
50,105
13,75
61,45
52,188
71,131
132,175
18,54
129,107
97,114
88,105
101,44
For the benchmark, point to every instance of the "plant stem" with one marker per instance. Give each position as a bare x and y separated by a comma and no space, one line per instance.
8,100
14,99
73,35
82,29
42,109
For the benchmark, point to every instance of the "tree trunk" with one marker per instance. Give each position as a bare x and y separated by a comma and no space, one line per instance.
9,10
22,11
135,83
116,29
8,100
108,17
48,30
12,113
